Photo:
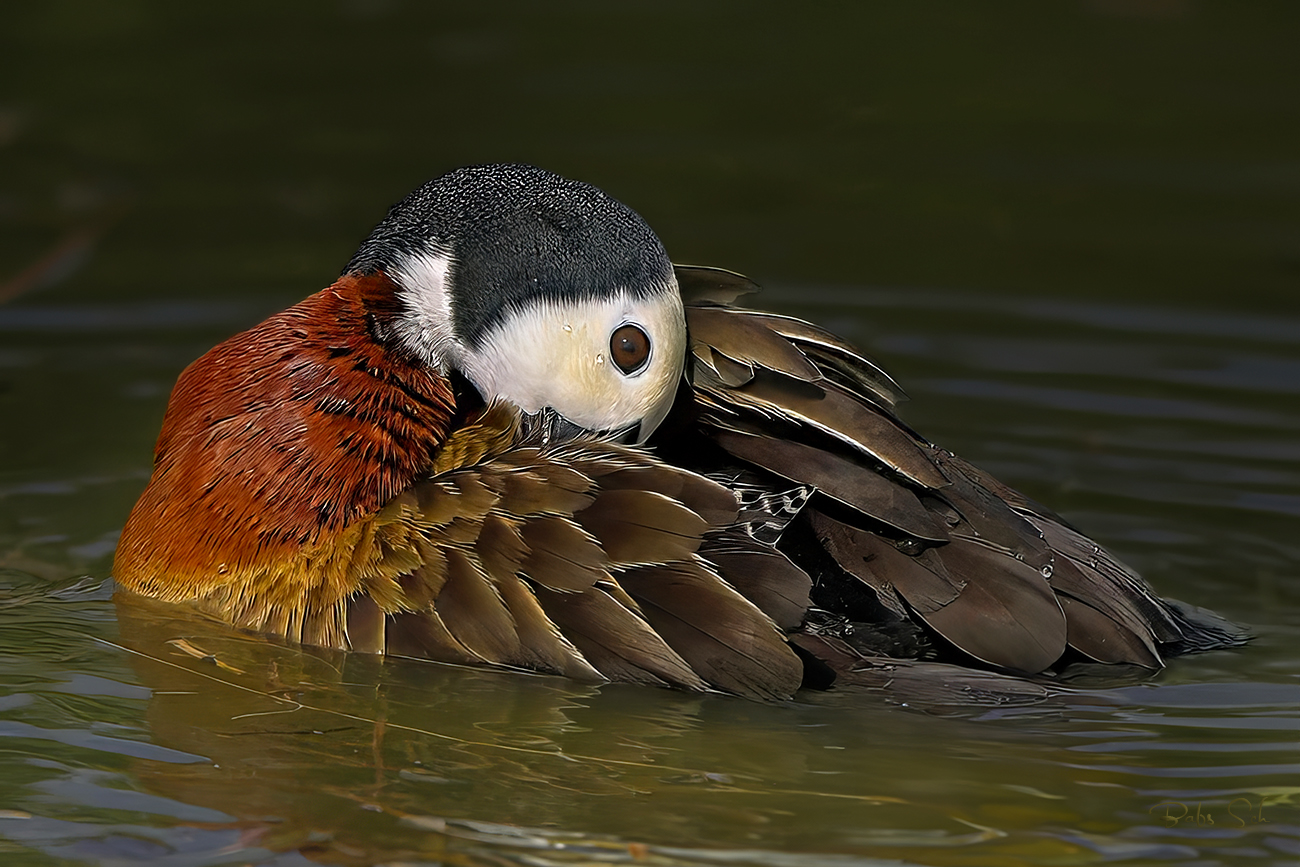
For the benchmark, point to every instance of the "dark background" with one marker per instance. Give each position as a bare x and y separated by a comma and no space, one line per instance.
1071,230
1103,148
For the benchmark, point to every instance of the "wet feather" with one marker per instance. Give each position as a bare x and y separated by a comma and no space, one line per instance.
618,643
724,637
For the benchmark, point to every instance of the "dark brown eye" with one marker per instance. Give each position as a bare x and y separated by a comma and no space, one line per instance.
629,347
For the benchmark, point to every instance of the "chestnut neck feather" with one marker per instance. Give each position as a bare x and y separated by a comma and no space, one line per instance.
280,437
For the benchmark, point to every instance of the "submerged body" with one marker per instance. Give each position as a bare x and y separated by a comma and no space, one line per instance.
512,433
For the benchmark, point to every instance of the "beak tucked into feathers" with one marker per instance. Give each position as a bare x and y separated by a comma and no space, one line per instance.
546,293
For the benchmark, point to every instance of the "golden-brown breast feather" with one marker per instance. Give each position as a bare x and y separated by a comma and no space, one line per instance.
595,574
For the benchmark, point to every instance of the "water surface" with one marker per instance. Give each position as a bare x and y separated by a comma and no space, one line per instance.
1071,234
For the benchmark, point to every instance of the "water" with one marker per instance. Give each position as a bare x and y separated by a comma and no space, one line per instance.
1069,233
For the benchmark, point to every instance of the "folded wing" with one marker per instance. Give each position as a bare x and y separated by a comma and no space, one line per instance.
578,558
898,531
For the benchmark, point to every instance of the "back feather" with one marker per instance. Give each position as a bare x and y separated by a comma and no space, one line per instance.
892,529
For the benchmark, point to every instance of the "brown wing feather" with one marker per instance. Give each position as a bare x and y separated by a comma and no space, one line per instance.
1007,614
722,635
842,479
747,340
706,498
541,644
987,518
422,634
701,284
728,370
827,407
931,538
643,527
1101,638
1113,615
764,576
544,490
921,579
832,354
1107,584
616,641
561,554
993,607
475,614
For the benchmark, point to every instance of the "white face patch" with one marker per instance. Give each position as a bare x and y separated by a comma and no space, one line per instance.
557,354
425,325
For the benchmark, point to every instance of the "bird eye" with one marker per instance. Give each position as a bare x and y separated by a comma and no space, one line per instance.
629,347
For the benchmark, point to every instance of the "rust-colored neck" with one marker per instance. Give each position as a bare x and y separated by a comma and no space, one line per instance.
280,437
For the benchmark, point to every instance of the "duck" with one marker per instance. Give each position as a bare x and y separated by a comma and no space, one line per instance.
513,433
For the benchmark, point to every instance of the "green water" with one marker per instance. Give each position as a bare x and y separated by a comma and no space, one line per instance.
1071,231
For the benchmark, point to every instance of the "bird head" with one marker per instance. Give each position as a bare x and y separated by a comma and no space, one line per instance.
538,290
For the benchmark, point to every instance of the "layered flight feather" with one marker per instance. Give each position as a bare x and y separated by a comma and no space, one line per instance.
989,576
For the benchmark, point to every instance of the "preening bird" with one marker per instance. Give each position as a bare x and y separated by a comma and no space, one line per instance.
513,433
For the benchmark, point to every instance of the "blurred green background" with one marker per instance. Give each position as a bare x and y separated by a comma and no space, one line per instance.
1097,147
174,172
1071,230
